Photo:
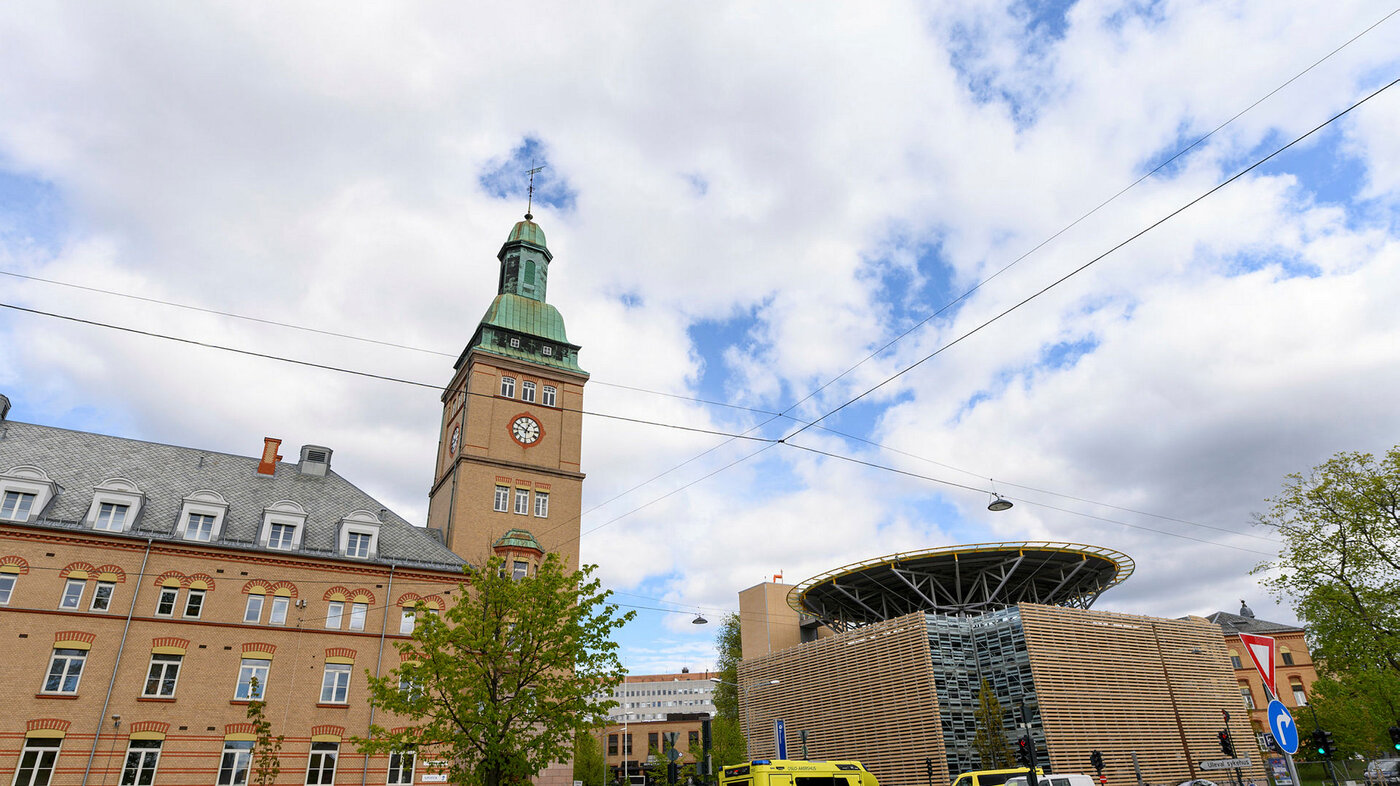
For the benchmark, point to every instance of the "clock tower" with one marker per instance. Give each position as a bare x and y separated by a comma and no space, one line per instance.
509,451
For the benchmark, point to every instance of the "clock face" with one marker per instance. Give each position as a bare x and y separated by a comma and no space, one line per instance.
456,441
525,430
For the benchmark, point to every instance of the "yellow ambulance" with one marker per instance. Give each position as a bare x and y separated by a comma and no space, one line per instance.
791,772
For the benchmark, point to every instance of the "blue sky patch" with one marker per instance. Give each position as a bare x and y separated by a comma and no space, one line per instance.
32,212
508,177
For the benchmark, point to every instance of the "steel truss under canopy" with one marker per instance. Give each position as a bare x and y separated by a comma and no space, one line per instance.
971,579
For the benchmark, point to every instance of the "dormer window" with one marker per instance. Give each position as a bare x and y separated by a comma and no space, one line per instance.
359,535
111,516
202,516
508,387
547,350
16,506
281,536
284,523
115,505
24,492
515,343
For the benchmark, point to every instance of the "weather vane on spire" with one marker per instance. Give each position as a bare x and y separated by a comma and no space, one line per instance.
530,201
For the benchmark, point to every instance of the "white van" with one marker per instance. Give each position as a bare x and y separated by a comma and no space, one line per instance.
1054,780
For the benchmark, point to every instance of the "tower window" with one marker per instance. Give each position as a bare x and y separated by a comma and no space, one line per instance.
508,387
519,570
548,351
542,504
527,391
514,343
547,395
522,501
502,499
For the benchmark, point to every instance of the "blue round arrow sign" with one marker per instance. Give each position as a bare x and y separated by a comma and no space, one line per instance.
1282,725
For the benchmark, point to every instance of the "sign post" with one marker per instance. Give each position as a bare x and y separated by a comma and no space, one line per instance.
1285,733
780,737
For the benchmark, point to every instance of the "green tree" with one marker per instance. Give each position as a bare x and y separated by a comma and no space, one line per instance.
267,749
1358,707
1339,565
990,738
588,759
726,736
502,683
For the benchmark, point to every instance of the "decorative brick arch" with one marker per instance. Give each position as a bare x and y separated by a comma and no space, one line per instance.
149,726
75,635
269,587
334,591
433,601
362,595
47,724
85,567
283,585
239,728
204,577
172,642
340,652
328,729
409,598
115,571
14,561
169,575
258,646
410,657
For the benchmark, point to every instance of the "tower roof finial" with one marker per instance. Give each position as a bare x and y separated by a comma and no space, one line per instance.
530,199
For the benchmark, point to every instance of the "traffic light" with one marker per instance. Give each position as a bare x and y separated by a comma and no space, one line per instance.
1025,754
1096,761
1323,743
928,768
1227,745
1395,737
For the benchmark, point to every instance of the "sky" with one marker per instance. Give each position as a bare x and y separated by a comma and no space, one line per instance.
768,207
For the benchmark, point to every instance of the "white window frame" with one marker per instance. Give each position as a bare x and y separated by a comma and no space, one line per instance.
204,502
7,587
12,500
361,522
116,492
399,773
38,756
252,612
501,503
286,513
27,479
357,544
519,569
198,607
407,620
173,593
166,664
358,613
248,669
1300,694
199,527
112,517
508,387
98,596
541,504
323,750
235,763
281,536
522,502
549,395
147,760
73,662
527,391
70,599
335,614
277,614
335,681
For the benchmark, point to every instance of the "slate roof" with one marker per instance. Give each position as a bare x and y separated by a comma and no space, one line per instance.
1236,623
78,461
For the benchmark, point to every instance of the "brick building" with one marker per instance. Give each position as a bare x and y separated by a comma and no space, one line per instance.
648,707
144,587
1294,673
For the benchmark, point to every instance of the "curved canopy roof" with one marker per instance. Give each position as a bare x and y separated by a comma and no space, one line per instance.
970,579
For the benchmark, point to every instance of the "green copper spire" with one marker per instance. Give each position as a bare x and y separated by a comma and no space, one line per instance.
519,323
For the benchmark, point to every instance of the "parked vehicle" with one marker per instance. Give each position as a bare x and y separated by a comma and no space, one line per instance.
1383,772
1056,779
793,772
994,777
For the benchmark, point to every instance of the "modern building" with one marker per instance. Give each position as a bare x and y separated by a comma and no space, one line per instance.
648,707
1294,672
149,592
883,661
